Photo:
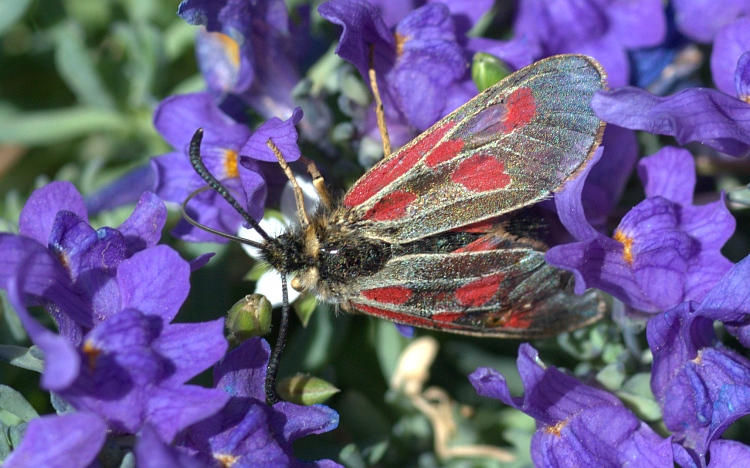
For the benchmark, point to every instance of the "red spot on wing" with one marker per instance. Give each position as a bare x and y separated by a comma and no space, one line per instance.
481,244
479,227
445,151
391,206
481,173
399,317
479,292
512,319
521,108
394,167
448,317
389,295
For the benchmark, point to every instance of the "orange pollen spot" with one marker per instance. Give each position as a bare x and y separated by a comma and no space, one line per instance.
699,358
92,352
231,48
63,258
627,246
746,98
400,41
556,429
230,164
226,460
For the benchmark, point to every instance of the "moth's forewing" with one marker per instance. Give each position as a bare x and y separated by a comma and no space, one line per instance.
509,147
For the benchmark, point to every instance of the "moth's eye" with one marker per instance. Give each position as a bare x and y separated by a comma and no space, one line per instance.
296,284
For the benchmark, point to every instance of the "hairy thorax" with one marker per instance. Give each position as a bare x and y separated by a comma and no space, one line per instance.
326,258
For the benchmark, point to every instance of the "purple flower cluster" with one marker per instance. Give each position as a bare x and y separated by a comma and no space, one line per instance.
118,366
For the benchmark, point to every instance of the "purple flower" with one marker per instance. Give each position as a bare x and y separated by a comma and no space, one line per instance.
603,29
131,368
697,114
419,66
665,250
71,440
577,425
248,432
730,45
700,20
702,386
246,49
224,141
75,270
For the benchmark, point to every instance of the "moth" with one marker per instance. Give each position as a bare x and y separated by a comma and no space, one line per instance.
424,239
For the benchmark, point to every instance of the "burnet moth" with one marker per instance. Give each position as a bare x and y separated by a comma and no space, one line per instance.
423,238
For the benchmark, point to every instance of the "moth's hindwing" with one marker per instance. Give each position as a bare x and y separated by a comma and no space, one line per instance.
509,147
488,287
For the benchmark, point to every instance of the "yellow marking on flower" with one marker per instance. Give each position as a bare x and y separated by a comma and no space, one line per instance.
92,352
225,459
699,357
400,41
627,246
746,98
556,429
230,46
63,258
230,164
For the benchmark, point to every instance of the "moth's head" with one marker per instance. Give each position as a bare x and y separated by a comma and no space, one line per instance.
285,253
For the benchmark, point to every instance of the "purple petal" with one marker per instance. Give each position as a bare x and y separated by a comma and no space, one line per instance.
200,261
606,182
191,348
601,436
224,64
143,228
178,117
669,173
728,454
40,274
71,440
742,77
299,421
155,281
38,215
729,300
730,43
124,190
63,364
701,19
171,410
151,452
647,17
281,132
599,262
704,115
569,204
242,372
405,330
363,26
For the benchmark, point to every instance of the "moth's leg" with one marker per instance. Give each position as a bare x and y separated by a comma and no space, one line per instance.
379,106
299,198
318,182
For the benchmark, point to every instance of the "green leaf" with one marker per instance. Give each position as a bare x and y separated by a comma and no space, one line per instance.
12,10
25,358
74,64
11,321
54,126
304,389
351,457
304,308
5,446
13,402
389,344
